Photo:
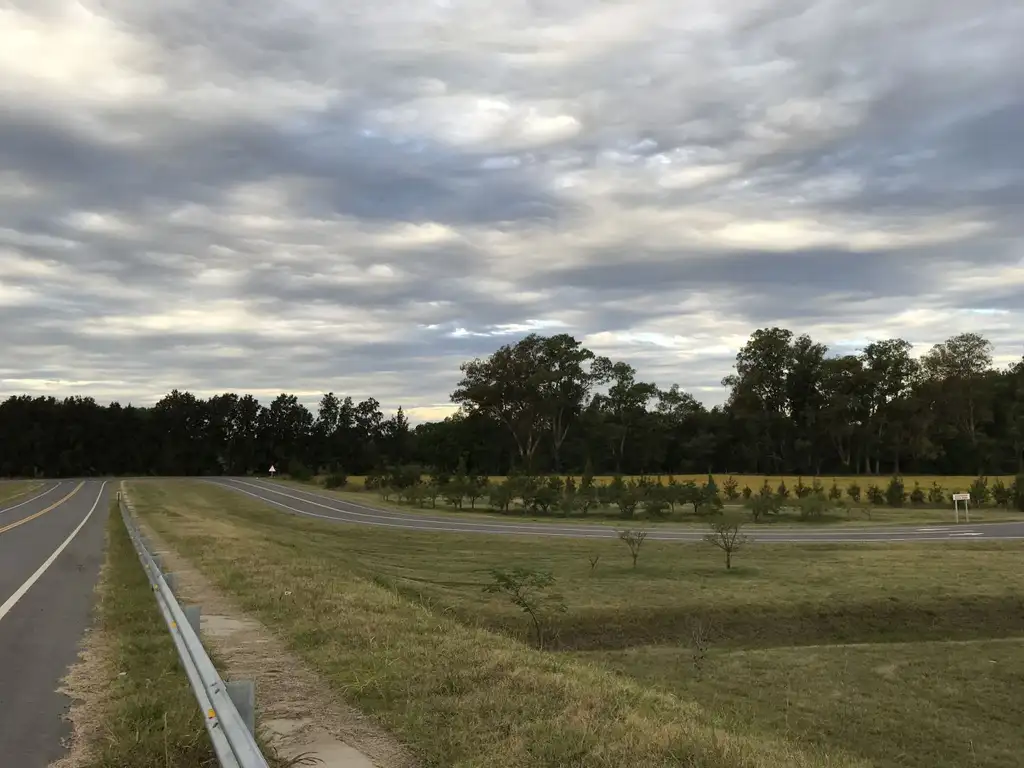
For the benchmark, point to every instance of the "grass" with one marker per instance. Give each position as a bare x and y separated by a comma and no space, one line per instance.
458,695
820,655
10,491
149,717
852,517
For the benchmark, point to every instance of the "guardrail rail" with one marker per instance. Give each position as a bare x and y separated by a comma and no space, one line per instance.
228,708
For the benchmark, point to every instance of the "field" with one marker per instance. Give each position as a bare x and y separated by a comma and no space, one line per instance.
904,655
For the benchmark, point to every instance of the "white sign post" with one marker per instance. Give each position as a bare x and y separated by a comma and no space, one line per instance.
966,499
272,470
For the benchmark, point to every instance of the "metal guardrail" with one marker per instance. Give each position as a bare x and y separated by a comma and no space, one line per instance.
228,708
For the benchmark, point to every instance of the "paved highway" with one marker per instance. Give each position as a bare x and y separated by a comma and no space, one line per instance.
319,505
51,548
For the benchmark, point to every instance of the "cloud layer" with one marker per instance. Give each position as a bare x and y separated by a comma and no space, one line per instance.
306,196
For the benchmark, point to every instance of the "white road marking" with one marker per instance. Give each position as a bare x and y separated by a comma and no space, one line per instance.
29,501
31,580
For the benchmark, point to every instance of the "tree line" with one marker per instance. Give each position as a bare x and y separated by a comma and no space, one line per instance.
549,404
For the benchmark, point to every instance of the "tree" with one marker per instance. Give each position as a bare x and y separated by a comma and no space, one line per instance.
624,406
727,536
527,590
634,540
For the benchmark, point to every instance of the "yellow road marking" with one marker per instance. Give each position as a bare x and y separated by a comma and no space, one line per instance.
42,512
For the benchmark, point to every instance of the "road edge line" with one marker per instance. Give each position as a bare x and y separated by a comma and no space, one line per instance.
31,580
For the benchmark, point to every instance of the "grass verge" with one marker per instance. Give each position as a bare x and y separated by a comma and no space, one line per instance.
140,710
456,693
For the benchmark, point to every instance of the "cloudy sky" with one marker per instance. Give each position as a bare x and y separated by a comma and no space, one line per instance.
357,196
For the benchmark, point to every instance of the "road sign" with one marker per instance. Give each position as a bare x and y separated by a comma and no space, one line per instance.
272,470
966,499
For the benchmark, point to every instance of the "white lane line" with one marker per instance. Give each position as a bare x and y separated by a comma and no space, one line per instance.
31,580
965,533
51,489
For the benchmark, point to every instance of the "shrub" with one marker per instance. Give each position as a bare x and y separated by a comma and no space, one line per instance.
763,505
979,491
813,507
853,491
336,480
655,506
500,496
1001,494
299,471
527,590
817,488
917,495
802,491
936,495
835,493
633,540
730,487
782,490
895,492
747,493
875,495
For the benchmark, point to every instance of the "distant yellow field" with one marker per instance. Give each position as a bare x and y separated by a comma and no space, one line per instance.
948,483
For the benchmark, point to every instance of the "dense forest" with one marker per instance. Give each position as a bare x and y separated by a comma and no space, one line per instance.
550,404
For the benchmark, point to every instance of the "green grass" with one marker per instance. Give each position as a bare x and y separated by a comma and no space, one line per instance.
899,705
852,517
150,717
11,491
456,694
399,624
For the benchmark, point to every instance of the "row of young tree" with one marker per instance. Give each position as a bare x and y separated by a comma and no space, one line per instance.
548,404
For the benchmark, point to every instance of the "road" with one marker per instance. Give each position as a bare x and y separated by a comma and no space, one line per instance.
319,505
51,548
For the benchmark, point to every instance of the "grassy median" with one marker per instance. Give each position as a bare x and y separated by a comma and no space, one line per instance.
399,623
15,490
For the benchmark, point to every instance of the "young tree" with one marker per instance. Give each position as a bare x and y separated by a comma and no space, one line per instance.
527,590
727,536
633,540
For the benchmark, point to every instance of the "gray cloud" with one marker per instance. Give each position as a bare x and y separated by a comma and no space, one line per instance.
307,196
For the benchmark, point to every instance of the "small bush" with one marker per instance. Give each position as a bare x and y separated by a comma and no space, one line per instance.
1001,494
730,488
979,491
813,507
747,493
895,492
853,491
936,495
802,491
336,480
299,471
835,493
782,491
763,505
875,495
527,590
917,495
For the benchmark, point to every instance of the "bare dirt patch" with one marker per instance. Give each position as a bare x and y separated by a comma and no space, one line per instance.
294,710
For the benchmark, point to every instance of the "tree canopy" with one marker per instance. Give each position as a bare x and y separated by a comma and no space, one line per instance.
547,403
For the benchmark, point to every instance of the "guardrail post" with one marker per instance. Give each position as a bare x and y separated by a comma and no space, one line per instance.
243,695
172,582
192,613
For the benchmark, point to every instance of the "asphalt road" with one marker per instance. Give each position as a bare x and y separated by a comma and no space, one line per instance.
51,548
313,504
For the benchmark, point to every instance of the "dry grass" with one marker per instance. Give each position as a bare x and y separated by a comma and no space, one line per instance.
456,693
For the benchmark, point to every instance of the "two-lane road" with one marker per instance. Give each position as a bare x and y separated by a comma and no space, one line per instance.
319,505
51,549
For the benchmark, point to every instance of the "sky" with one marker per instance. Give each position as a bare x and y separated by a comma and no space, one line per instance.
311,196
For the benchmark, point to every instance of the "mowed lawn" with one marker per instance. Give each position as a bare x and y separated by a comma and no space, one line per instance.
813,655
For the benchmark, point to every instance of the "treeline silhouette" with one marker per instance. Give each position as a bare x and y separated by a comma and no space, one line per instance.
550,404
